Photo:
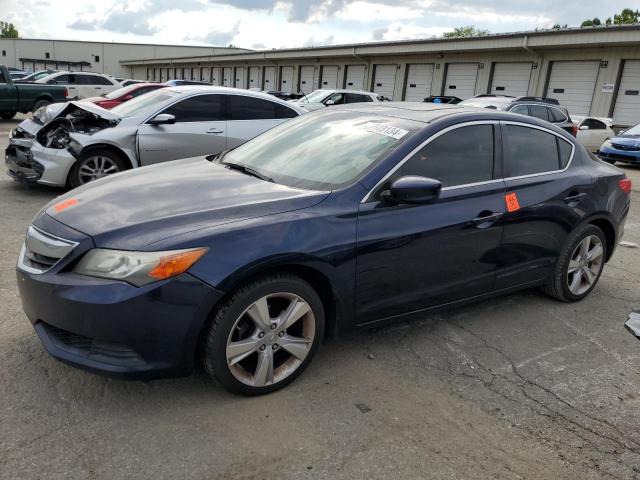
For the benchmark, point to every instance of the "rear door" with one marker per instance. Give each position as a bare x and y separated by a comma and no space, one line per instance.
200,129
249,116
545,196
412,257
69,81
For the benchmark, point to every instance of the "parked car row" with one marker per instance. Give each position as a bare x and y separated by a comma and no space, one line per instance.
339,219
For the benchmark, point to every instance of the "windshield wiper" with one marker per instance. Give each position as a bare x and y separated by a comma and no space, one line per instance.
248,171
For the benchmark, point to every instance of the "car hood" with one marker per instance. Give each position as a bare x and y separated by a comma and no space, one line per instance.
57,110
627,140
135,208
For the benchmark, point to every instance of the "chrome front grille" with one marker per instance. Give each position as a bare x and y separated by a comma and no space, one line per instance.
41,251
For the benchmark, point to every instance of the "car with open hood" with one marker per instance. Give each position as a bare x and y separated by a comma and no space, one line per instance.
342,219
75,143
623,148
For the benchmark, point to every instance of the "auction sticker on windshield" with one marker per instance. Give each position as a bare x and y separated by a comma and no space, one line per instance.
386,130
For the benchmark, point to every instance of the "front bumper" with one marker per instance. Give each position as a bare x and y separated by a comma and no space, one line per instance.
31,162
112,327
615,155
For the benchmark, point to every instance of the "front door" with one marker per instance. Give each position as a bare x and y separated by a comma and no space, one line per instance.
8,97
412,257
200,129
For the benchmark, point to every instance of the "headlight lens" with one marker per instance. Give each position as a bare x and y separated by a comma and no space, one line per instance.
137,268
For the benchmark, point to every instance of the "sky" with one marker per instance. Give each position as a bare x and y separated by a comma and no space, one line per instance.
266,24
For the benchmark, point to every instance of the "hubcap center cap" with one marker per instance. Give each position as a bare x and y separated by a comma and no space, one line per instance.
271,338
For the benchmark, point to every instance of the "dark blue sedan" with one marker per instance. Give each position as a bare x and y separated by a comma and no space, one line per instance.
342,219
624,147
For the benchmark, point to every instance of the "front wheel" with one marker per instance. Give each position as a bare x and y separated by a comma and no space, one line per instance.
94,165
264,335
39,104
7,115
579,265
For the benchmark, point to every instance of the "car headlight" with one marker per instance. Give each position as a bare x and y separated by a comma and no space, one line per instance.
137,268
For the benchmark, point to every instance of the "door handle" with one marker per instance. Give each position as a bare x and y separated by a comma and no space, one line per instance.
214,130
98,88
486,219
574,198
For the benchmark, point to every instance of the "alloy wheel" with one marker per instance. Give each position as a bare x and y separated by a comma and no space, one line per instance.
95,167
585,265
270,339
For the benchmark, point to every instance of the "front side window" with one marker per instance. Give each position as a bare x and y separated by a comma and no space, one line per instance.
296,153
459,157
62,80
357,98
336,98
199,108
529,151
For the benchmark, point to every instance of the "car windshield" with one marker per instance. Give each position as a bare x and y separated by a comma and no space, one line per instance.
316,96
119,92
633,130
143,103
322,152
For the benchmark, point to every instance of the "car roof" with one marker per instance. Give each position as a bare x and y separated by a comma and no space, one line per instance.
193,89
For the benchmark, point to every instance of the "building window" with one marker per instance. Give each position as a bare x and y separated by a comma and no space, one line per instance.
96,58
46,55
4,53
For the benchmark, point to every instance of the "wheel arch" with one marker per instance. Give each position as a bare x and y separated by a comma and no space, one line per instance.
606,225
108,146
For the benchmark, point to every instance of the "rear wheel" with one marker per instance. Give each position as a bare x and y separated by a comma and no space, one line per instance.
579,265
7,115
264,335
94,165
39,104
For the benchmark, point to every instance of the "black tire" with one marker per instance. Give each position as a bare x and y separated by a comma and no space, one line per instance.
558,284
76,178
7,115
225,317
39,104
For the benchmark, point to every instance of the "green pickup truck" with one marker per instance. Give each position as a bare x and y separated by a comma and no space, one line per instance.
26,97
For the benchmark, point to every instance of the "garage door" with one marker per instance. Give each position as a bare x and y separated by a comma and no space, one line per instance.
254,77
461,80
419,78
286,79
511,79
307,79
384,79
205,74
216,75
227,76
329,76
269,78
239,79
627,109
573,84
355,77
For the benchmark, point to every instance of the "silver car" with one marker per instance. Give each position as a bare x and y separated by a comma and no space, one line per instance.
76,142
325,98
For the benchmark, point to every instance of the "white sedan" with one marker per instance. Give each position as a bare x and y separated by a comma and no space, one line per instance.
593,131
325,98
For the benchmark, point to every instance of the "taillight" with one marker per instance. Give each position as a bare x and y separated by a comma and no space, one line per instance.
574,130
625,185
66,93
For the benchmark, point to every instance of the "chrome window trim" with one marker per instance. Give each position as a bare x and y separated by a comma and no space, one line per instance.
487,182
547,105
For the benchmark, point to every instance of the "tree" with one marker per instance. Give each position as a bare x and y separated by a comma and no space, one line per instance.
626,16
7,30
469,31
594,22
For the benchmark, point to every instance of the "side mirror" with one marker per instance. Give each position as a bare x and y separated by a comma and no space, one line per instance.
162,119
413,190
329,103
583,127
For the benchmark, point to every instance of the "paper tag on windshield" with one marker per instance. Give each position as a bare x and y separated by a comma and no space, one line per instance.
386,130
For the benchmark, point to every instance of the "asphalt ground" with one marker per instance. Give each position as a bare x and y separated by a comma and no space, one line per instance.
520,386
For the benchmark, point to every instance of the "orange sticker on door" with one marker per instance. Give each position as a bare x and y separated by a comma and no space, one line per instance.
511,200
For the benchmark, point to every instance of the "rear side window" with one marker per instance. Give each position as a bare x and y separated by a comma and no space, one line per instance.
98,80
459,157
201,108
357,98
539,111
250,108
521,109
557,116
528,151
593,124
62,80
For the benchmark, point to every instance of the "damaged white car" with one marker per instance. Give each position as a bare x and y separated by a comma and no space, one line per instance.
70,144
